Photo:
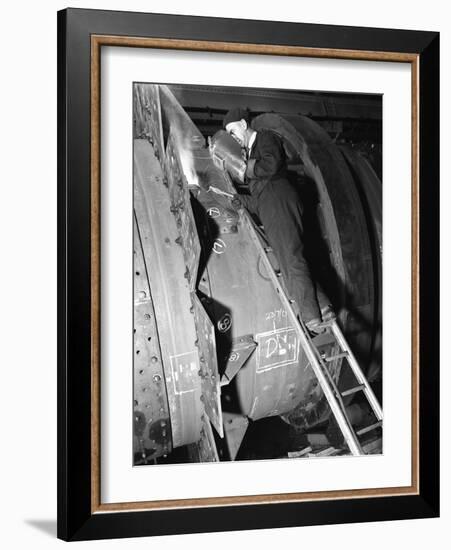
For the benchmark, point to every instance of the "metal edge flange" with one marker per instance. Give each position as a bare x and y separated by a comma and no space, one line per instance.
208,371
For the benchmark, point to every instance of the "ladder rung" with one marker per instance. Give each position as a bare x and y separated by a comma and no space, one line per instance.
338,356
326,452
370,428
353,390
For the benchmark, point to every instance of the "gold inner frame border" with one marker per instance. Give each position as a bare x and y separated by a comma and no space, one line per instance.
97,41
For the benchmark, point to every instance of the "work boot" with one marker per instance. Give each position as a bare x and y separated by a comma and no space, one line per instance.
327,313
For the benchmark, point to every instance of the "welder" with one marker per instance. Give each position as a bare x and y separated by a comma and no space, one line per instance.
278,206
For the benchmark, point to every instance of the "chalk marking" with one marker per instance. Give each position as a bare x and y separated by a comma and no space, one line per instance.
277,348
180,363
219,246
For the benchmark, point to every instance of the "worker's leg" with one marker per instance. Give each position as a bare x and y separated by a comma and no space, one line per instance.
280,210
323,300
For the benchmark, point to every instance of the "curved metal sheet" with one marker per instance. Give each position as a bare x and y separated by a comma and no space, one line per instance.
370,189
243,301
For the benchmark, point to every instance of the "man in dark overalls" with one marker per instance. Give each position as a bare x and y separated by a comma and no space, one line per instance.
278,206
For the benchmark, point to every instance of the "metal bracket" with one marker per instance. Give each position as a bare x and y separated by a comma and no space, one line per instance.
242,348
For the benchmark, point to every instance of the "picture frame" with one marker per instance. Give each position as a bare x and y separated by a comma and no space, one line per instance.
81,36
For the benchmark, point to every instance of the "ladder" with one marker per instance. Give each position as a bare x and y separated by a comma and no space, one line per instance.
318,362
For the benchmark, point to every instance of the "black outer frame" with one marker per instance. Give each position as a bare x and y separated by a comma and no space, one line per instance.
75,520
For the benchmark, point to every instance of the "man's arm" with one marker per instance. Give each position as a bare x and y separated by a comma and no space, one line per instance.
272,157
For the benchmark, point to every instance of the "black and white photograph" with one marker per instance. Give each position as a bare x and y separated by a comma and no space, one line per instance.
257,261
225,263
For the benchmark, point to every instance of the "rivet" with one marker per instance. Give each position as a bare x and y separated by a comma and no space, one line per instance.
154,359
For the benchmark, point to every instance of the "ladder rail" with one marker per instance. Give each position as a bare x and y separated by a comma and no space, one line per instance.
361,378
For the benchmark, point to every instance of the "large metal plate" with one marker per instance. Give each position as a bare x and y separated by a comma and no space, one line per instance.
245,302
171,295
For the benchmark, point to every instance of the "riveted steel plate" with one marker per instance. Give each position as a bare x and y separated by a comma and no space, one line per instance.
171,296
205,449
147,116
211,391
182,211
152,430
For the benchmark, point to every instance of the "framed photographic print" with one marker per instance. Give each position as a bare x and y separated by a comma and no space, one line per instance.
248,274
